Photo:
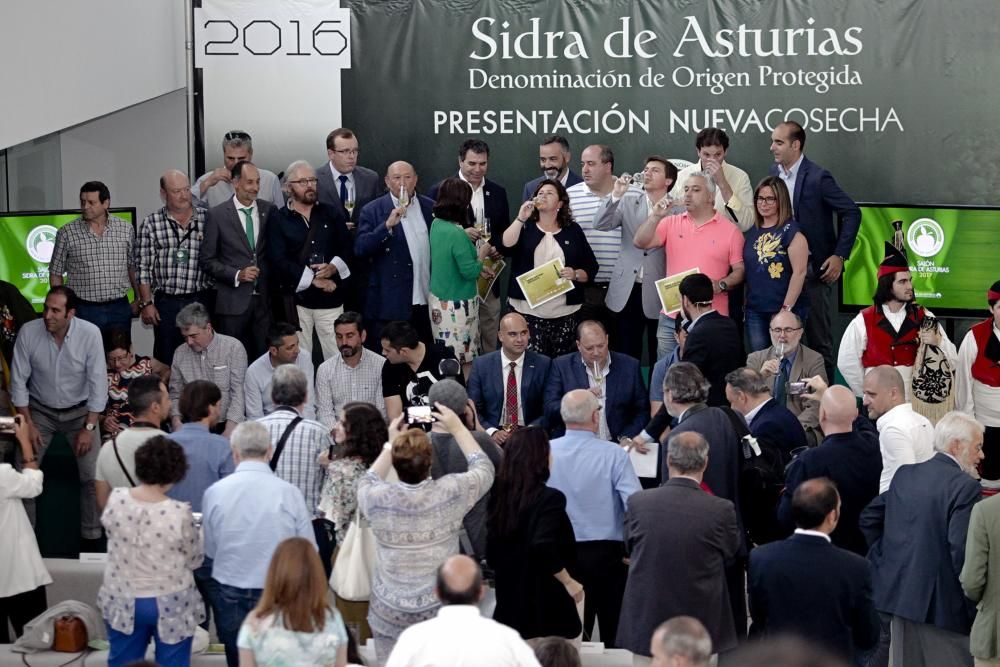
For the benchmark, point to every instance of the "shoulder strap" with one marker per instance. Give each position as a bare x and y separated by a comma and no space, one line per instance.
114,445
310,237
281,443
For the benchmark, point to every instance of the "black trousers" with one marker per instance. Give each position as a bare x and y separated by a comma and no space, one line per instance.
635,331
601,570
990,467
19,609
819,325
594,308
250,327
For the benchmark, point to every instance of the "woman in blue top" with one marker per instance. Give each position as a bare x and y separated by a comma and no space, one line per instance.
775,255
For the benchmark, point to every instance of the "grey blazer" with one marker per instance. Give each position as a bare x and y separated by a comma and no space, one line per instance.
629,212
367,186
808,362
225,250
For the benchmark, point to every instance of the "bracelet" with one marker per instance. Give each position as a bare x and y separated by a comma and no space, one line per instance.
387,446
519,220
143,304
786,307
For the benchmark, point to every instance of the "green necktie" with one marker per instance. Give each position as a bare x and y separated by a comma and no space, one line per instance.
248,214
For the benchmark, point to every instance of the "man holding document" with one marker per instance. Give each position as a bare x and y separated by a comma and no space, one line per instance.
700,238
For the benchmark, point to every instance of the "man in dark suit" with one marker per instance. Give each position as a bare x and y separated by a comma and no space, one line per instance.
503,402
679,540
488,211
816,197
713,342
850,460
805,585
396,238
917,531
233,251
554,157
748,394
614,378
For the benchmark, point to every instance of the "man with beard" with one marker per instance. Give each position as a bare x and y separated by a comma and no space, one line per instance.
889,332
354,375
553,157
309,248
282,348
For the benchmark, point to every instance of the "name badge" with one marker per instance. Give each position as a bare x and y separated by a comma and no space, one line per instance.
181,256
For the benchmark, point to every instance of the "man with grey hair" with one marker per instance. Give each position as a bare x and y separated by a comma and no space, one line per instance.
682,641
216,187
917,532
246,516
749,394
310,248
904,436
698,534
449,458
597,479
207,355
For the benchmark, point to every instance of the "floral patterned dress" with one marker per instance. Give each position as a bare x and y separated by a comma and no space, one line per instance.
339,498
274,645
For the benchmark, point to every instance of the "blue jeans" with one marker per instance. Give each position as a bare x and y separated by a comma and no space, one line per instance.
666,337
231,605
110,315
129,648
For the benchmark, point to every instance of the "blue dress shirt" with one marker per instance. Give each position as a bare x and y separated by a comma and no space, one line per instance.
209,460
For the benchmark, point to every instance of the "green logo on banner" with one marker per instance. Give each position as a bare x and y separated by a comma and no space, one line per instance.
40,243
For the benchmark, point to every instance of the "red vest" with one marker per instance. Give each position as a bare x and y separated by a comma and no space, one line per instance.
984,369
886,346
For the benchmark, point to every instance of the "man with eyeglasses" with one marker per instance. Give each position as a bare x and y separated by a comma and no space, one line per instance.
309,249
343,183
786,364
216,187
167,263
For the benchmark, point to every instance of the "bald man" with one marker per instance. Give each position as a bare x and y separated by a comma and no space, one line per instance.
459,635
904,436
682,641
394,233
853,462
505,403
168,271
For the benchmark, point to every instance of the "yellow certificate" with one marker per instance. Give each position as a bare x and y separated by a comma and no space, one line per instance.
484,285
669,290
543,283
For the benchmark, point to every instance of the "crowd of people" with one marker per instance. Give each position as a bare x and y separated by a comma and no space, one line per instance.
663,479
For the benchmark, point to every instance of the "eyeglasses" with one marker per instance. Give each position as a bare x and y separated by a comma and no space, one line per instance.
305,181
236,134
777,331
766,200
114,359
347,151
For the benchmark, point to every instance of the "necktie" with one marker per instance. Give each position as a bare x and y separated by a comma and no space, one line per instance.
248,216
510,404
781,381
343,189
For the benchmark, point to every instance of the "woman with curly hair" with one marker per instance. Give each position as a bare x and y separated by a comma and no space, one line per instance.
531,543
153,545
543,231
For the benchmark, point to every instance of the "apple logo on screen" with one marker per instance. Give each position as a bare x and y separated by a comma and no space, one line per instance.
40,242
925,237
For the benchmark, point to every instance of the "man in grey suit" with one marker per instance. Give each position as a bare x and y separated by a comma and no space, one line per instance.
632,289
233,252
697,534
788,361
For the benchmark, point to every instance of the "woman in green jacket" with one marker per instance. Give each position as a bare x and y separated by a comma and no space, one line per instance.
455,265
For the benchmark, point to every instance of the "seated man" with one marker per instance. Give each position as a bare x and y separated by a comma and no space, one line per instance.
282,348
749,395
355,374
413,366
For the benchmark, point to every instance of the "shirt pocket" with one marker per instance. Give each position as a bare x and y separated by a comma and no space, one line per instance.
220,376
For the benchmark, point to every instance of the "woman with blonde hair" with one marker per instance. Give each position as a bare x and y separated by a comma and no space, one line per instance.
293,624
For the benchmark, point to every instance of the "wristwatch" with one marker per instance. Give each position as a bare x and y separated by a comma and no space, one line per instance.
723,286
143,304
90,427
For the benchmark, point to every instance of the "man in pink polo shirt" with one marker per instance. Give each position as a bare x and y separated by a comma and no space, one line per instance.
698,238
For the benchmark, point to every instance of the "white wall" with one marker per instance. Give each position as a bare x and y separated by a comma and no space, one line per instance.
66,62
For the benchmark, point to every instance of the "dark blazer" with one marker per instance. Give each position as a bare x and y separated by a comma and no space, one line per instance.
627,401
390,287
529,188
367,186
529,598
714,345
225,250
778,424
679,540
806,586
917,531
576,248
816,199
488,388
286,237
854,463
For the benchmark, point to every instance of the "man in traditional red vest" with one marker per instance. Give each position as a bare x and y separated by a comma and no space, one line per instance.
888,332
977,383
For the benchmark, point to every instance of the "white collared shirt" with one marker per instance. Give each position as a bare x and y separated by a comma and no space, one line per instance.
814,533
478,202
419,242
789,177
336,182
604,433
753,413
904,437
255,214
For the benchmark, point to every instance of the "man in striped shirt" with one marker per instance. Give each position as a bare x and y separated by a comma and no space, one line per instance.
584,199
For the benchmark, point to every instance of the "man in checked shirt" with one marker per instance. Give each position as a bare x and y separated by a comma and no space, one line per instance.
167,248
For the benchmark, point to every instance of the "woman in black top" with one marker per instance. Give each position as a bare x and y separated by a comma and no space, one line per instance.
531,543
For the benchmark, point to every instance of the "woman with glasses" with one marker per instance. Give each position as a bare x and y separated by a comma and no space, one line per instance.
542,231
124,365
775,255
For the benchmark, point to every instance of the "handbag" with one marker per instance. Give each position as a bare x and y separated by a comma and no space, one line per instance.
70,635
355,562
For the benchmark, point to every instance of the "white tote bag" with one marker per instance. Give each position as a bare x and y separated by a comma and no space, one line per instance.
355,563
